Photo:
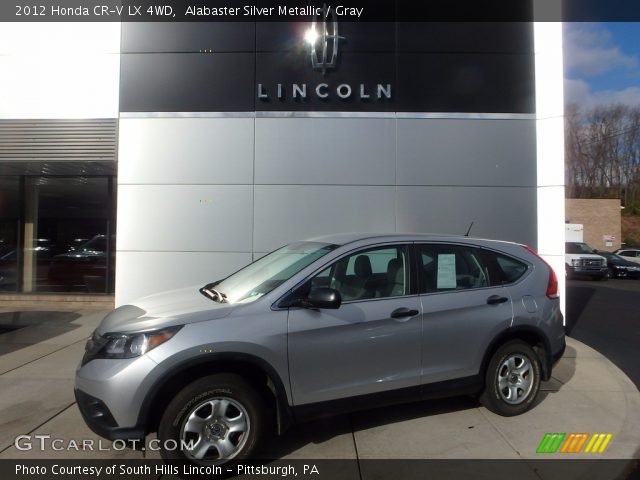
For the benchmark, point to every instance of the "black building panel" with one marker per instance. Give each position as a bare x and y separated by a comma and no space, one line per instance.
466,37
499,83
358,37
187,82
422,67
161,37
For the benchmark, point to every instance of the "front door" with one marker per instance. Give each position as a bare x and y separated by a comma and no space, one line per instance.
371,343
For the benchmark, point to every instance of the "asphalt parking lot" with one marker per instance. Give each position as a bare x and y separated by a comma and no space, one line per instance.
606,316
588,393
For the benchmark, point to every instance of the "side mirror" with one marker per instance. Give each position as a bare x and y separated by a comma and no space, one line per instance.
323,298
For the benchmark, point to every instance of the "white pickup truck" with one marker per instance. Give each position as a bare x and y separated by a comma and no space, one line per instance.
580,259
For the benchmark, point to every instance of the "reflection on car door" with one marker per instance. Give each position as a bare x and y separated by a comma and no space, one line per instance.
359,348
461,311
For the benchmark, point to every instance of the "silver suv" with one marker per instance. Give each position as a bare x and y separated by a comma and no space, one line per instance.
320,327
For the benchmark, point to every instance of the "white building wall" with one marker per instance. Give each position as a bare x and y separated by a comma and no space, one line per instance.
550,146
201,195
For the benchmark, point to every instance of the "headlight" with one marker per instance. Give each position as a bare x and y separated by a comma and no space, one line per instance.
575,262
125,345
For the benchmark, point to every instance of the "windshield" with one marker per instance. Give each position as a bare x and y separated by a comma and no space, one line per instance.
265,274
578,248
96,244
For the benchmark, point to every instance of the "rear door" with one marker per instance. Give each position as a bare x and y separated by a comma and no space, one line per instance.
461,310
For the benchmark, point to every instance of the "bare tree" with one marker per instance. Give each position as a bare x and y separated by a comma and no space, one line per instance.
603,153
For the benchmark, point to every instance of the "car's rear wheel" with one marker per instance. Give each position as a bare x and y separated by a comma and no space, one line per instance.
219,418
512,379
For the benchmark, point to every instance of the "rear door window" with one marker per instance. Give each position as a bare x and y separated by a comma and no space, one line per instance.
446,267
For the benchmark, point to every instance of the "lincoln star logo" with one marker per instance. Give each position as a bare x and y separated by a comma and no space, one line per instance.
324,40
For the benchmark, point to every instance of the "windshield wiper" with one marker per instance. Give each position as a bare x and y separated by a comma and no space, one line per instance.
213,294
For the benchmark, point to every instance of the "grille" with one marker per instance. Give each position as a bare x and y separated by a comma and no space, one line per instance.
592,262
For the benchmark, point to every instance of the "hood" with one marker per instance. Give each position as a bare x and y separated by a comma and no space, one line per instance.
174,307
585,255
80,254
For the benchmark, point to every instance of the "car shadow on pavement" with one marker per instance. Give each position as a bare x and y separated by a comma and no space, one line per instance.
305,435
25,328
322,430
578,297
563,372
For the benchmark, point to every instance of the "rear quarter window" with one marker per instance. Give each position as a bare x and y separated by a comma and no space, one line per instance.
504,269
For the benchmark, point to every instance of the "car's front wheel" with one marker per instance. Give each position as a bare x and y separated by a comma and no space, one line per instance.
214,420
512,379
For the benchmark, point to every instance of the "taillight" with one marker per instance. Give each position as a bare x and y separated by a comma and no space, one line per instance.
552,284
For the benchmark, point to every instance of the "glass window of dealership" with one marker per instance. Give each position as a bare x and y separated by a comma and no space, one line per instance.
57,234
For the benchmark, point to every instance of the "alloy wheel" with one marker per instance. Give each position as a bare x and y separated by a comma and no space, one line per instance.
515,379
216,430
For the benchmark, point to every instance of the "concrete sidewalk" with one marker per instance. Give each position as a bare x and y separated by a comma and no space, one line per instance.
586,394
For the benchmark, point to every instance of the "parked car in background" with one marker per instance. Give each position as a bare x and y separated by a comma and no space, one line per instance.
619,267
83,266
581,260
631,254
320,327
9,264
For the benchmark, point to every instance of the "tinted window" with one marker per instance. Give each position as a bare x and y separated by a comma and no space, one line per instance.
451,267
503,269
374,273
577,248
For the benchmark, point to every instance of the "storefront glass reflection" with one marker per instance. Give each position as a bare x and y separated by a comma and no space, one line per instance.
9,218
73,217
61,239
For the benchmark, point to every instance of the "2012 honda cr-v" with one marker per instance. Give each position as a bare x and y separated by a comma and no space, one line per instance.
319,327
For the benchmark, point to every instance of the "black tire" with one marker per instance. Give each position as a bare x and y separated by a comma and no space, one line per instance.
568,274
611,273
194,399
492,397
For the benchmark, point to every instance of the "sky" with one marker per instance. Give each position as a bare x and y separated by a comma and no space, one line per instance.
602,63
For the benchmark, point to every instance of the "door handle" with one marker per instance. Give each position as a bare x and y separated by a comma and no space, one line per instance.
404,312
496,299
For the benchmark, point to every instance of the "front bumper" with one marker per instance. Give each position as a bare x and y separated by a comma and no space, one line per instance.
100,420
625,272
111,392
593,271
